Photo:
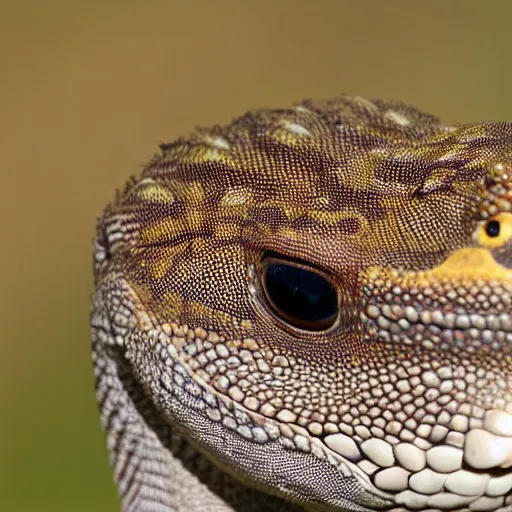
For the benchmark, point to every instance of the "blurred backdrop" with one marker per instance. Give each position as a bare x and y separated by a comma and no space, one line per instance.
88,89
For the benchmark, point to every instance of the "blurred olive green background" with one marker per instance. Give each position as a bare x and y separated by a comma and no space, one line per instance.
88,89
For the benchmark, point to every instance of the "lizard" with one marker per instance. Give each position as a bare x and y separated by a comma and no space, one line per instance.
309,309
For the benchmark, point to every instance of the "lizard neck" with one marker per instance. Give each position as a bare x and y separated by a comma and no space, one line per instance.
176,475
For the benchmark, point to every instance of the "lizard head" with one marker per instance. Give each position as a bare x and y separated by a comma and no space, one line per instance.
319,298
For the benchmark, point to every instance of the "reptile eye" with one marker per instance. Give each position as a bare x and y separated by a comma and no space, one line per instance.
301,297
496,232
492,228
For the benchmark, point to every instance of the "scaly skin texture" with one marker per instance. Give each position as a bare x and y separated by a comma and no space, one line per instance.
214,402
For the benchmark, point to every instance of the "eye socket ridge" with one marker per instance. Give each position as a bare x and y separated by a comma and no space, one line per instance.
299,295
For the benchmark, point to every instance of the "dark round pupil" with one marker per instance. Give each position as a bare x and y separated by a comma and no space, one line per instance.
303,298
492,228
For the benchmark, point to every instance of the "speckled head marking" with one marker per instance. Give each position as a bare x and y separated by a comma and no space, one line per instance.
405,399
